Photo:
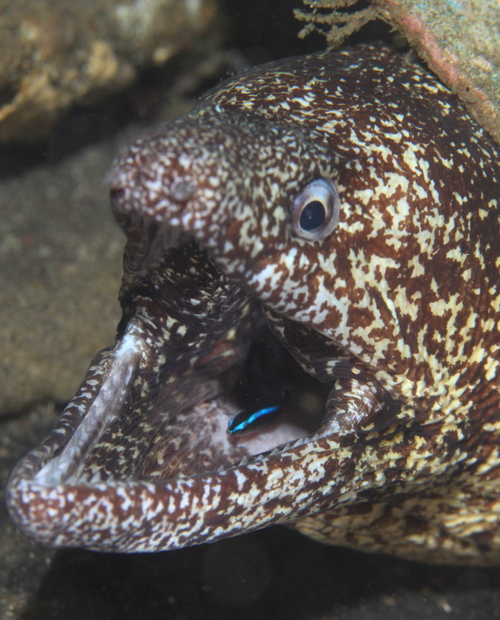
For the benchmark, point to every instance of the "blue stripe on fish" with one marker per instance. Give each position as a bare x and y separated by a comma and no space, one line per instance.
248,420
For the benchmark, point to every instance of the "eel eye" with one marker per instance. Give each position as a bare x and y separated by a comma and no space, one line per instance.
316,210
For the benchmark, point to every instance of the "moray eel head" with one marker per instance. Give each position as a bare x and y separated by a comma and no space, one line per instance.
298,245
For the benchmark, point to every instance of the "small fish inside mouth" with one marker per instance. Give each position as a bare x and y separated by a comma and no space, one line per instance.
267,410
257,417
227,428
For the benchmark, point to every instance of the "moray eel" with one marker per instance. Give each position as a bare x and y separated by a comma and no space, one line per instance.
327,224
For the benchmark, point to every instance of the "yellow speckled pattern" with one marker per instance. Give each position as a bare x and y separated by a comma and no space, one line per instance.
396,311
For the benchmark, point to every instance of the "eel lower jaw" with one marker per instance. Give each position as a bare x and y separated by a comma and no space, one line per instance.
193,484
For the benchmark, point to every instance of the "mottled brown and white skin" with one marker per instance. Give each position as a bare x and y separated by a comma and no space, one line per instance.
387,320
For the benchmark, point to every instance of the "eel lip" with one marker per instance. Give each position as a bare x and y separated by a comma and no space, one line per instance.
56,503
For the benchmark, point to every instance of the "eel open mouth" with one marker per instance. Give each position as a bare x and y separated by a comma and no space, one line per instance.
166,402
151,418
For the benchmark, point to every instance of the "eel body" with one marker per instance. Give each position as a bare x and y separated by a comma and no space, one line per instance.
326,225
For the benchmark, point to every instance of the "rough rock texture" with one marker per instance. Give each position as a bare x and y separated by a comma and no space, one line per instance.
60,268
60,52
457,38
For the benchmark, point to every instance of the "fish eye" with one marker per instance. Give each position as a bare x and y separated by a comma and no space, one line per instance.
316,210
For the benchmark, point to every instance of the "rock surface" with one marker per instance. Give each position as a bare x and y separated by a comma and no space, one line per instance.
57,53
60,270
